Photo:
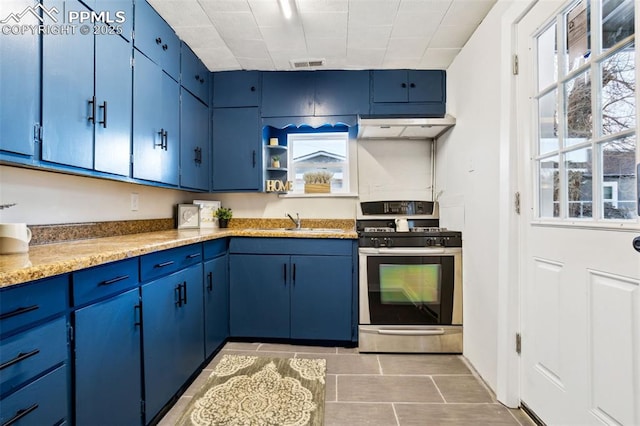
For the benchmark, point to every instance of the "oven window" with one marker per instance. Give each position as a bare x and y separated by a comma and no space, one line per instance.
410,284
410,290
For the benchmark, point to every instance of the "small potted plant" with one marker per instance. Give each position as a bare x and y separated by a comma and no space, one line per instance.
275,161
224,214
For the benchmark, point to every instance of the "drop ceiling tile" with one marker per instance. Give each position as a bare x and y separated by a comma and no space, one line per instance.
327,47
433,7
406,47
368,37
418,24
267,13
325,24
467,12
181,13
399,63
438,58
451,36
265,64
240,25
214,6
367,13
242,48
283,38
201,37
322,5
217,59
365,58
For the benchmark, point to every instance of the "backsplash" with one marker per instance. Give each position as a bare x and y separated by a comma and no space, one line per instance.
47,234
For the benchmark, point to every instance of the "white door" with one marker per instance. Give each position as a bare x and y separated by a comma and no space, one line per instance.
580,275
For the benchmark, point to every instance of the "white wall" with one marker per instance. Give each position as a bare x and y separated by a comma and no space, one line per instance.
468,174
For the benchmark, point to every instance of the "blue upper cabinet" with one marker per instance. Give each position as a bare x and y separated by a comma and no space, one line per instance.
195,77
68,102
315,93
237,149
194,143
113,88
341,93
287,93
119,15
19,86
408,92
156,123
236,89
155,38
86,95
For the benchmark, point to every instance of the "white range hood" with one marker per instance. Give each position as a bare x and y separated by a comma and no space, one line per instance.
404,128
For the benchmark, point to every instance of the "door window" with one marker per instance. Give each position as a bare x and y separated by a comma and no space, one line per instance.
586,103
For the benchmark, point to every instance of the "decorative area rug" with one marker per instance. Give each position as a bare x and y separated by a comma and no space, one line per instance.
251,390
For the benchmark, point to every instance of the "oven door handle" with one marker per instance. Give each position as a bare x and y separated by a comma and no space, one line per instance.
430,332
416,251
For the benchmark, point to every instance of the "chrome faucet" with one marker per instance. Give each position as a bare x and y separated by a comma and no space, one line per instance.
296,221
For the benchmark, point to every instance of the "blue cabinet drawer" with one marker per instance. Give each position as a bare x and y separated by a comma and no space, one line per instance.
43,402
25,304
215,248
28,354
314,246
161,263
105,280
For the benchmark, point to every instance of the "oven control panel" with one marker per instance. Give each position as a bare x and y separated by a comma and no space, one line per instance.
447,239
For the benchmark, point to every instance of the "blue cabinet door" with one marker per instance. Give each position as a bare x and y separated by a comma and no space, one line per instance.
194,143
341,92
120,12
173,342
194,76
259,295
321,295
113,88
19,83
287,93
216,303
155,123
155,38
426,86
237,149
107,361
390,86
236,89
68,107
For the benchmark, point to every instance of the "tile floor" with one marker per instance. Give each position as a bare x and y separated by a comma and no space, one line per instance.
381,389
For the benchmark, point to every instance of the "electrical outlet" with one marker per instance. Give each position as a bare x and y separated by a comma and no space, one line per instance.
134,201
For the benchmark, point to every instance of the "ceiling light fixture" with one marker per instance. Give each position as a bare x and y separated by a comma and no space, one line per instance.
286,8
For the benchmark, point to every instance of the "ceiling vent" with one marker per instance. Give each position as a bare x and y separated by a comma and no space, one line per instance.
307,63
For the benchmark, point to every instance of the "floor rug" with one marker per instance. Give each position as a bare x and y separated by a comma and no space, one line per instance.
251,390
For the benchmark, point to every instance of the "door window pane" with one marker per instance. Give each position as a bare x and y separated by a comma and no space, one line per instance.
547,58
548,122
549,188
618,158
618,91
577,30
579,178
617,21
578,109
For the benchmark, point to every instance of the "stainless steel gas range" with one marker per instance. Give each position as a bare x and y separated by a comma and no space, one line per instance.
410,286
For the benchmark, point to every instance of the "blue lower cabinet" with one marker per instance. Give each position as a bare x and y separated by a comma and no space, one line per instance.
173,341
107,362
321,297
259,295
290,296
216,303
42,402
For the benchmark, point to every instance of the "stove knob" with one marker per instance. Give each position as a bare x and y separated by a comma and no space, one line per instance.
375,242
387,242
429,242
443,241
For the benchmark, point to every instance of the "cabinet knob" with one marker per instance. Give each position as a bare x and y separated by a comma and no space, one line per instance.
403,85
202,80
165,47
253,88
197,77
412,85
158,40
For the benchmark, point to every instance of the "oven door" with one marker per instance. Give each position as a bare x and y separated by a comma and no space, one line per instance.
404,286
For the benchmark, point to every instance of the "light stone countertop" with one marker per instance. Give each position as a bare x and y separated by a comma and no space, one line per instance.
48,260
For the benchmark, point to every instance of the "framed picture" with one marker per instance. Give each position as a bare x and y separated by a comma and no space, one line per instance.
207,213
188,216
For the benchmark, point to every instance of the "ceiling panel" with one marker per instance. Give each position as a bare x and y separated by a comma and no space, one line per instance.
348,34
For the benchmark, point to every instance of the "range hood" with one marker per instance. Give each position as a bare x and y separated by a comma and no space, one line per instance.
404,128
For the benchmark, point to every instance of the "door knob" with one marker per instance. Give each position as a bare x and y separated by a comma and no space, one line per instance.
636,244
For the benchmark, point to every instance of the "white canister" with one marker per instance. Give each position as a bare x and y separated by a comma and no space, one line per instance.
402,225
14,238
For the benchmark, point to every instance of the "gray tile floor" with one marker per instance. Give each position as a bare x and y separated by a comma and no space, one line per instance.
381,389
